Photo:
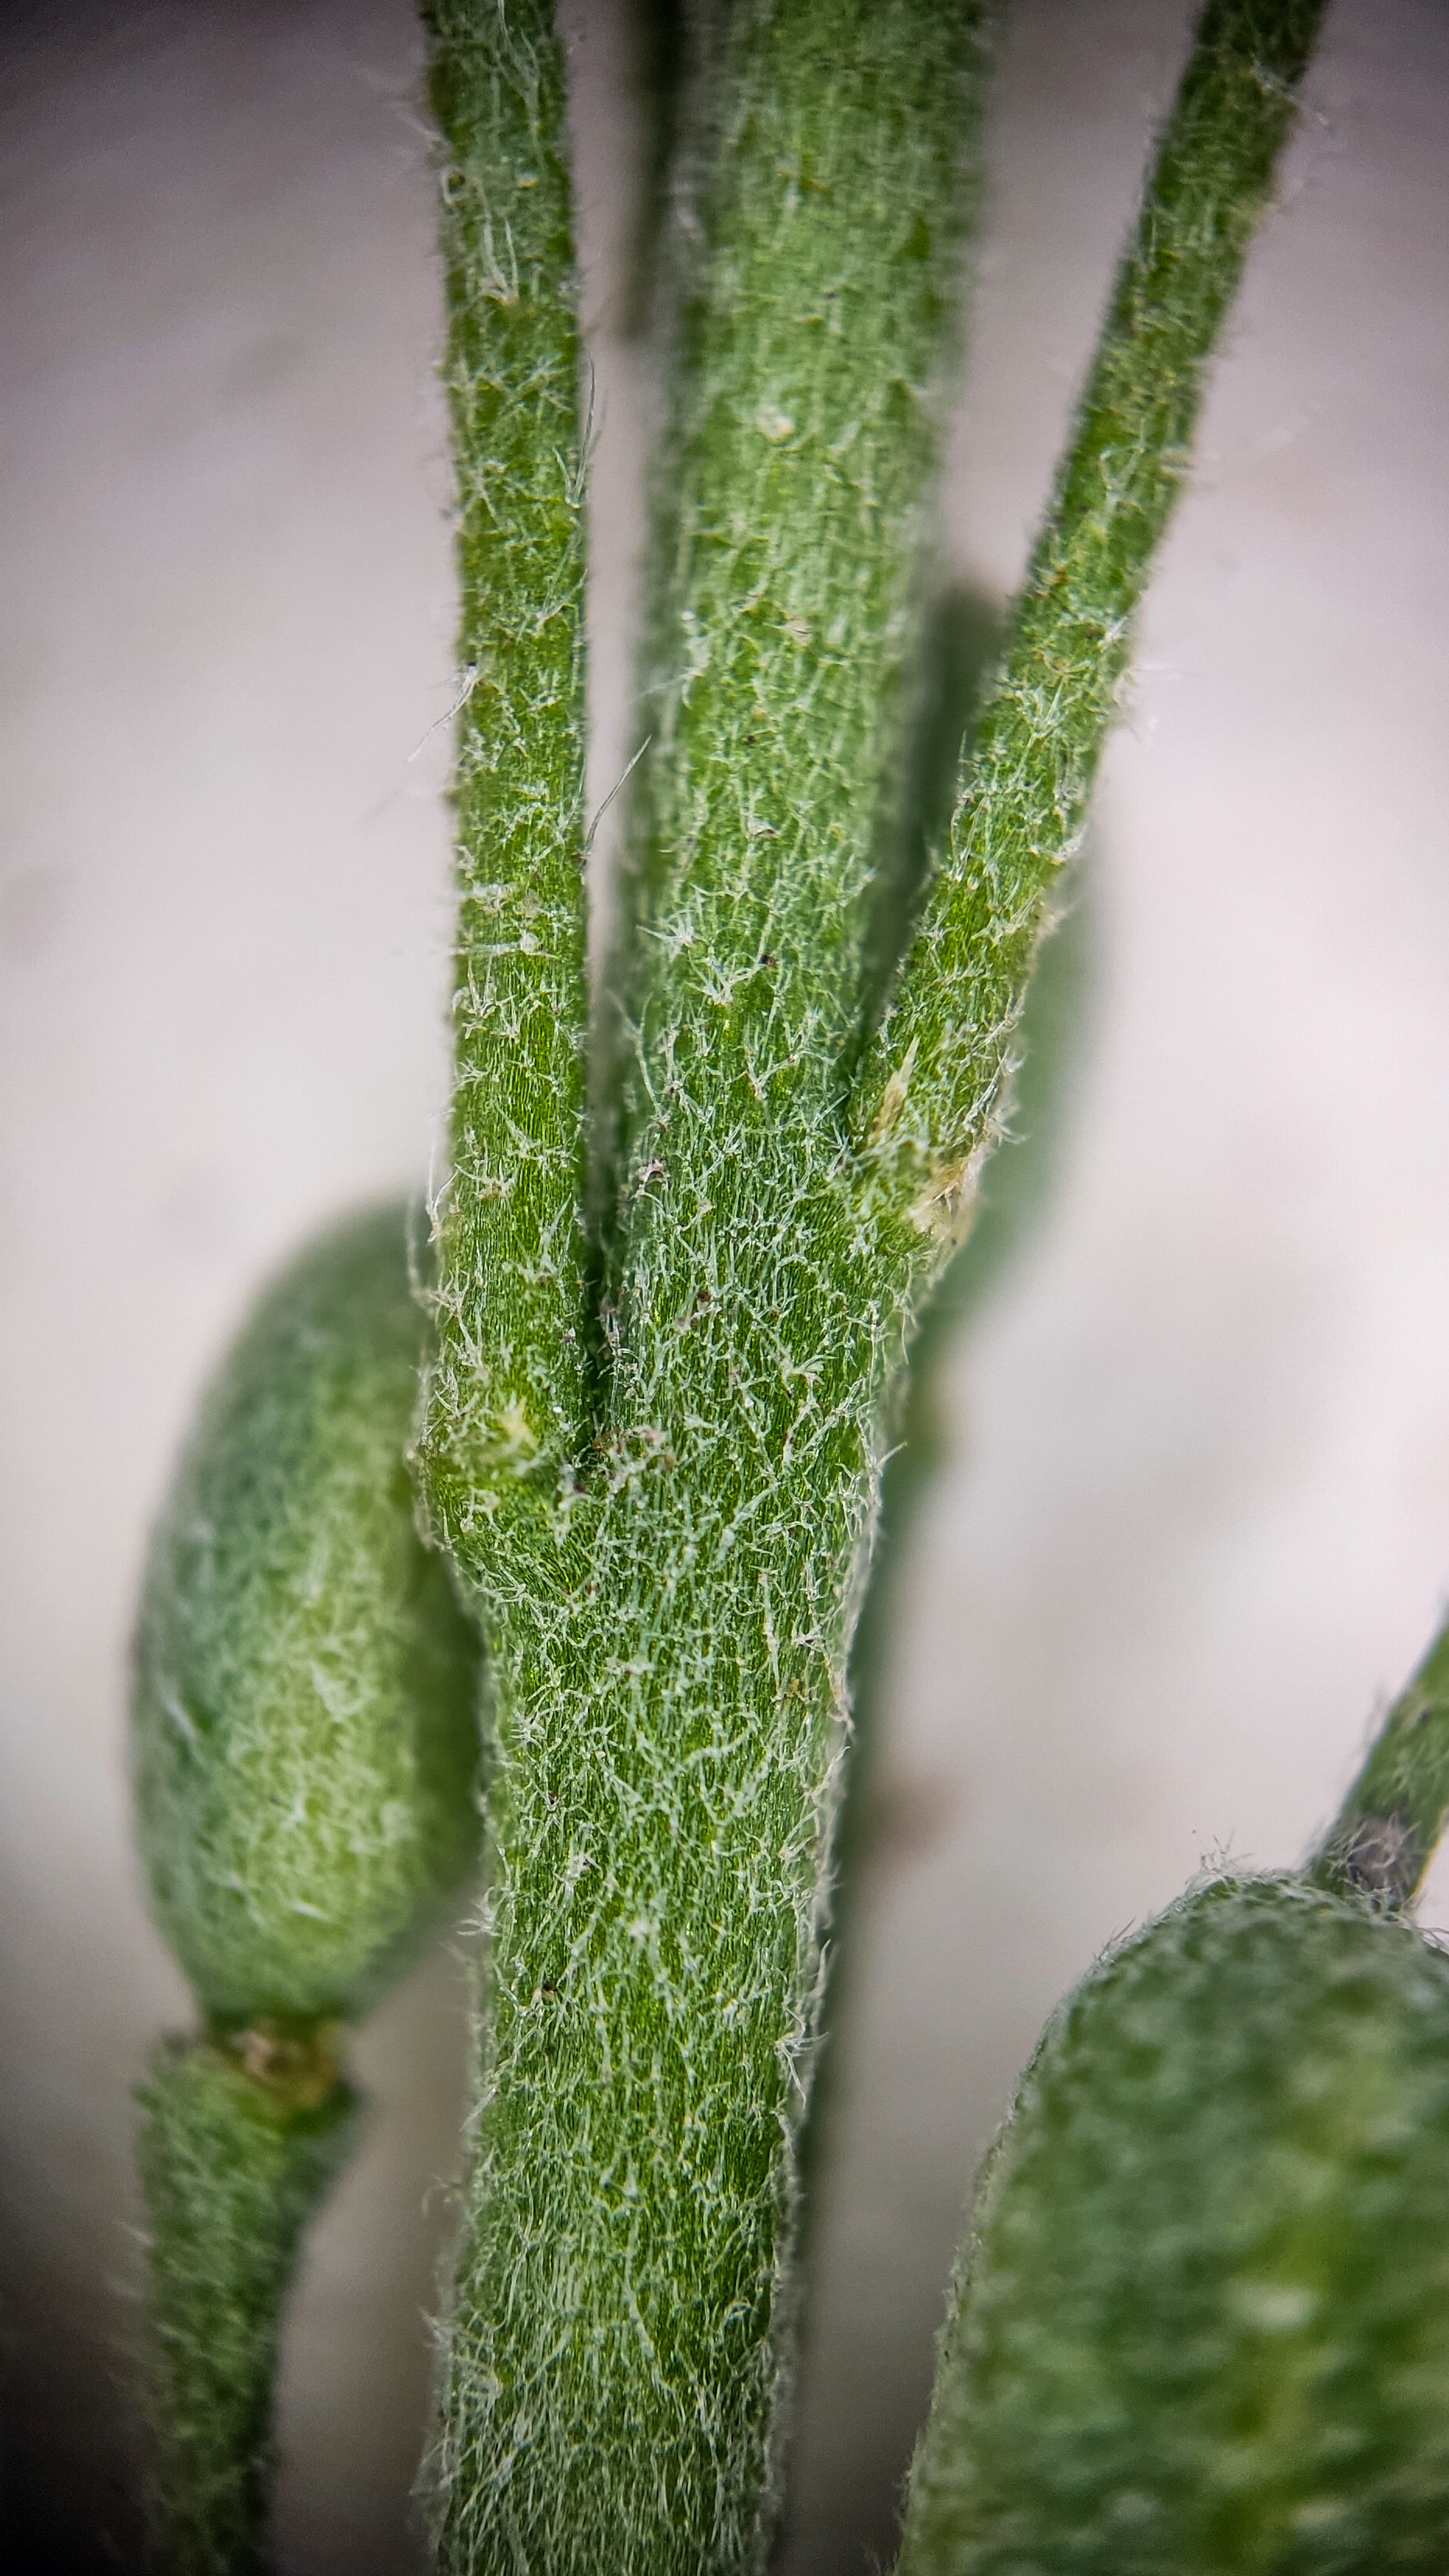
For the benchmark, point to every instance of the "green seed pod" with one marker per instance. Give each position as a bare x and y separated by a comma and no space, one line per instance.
1202,2319
305,1710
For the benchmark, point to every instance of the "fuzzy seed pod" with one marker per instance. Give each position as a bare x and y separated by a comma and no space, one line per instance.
305,1712
1202,2320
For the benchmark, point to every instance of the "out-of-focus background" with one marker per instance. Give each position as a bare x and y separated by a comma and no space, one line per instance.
1192,1520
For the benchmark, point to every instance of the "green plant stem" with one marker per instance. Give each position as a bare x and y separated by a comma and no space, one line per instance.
507,1412
669,1653
669,1609
1384,1835
806,425
233,2163
931,1089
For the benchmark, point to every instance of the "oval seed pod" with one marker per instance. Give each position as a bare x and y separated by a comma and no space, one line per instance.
305,1710
1202,2318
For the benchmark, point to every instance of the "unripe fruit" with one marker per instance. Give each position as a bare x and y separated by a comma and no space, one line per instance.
305,1712
1203,2318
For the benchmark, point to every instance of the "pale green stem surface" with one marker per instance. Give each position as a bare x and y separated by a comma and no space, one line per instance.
931,1088
804,434
1384,1835
233,2164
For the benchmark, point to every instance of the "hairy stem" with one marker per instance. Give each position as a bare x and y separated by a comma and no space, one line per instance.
669,1660
506,1418
1384,1835
233,2163
805,429
669,1652
931,1088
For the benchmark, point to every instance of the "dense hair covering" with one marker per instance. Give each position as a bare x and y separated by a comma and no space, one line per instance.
1202,2316
232,2168
305,1709
656,1457
665,1587
931,1087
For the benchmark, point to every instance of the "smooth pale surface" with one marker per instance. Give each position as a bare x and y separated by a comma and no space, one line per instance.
1196,1515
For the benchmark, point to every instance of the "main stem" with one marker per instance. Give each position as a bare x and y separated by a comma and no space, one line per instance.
668,1556
931,1088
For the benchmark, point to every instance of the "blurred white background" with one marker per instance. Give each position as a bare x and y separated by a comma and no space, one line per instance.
1194,1522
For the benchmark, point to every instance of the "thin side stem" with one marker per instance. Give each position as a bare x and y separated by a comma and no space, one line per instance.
1384,1835
233,2164
805,434
508,1396
931,1089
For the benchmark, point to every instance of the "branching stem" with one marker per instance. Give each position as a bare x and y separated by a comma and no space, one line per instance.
669,1567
